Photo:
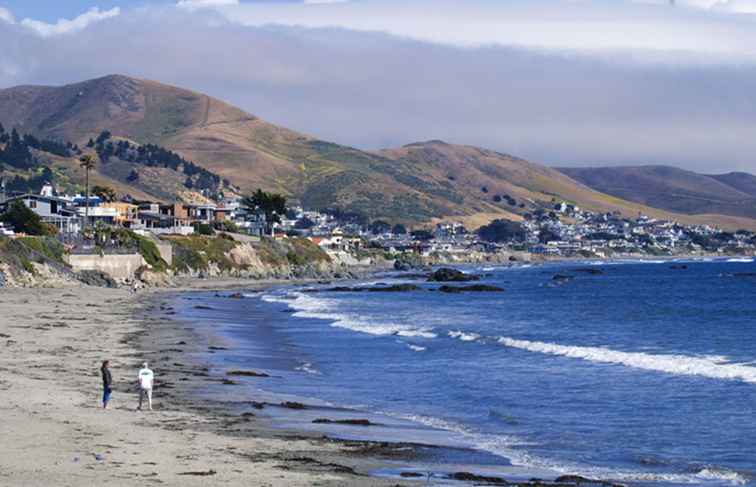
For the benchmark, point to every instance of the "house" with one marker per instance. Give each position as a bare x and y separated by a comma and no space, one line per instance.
6,231
126,213
51,209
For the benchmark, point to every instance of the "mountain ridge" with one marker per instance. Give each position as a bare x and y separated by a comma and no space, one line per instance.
416,183
674,189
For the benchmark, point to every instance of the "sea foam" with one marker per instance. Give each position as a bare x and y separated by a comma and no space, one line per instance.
711,367
308,306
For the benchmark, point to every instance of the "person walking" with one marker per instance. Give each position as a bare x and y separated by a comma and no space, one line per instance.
145,378
107,383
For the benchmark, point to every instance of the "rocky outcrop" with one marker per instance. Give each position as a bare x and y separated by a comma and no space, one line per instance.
451,275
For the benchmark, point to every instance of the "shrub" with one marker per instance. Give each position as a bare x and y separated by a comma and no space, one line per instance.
24,220
502,231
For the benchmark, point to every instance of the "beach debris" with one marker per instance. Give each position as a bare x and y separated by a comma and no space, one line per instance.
477,288
451,275
205,473
246,373
348,422
98,457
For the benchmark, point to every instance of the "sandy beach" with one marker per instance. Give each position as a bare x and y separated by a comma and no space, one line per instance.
55,432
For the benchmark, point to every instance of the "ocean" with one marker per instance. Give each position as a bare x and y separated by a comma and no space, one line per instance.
639,372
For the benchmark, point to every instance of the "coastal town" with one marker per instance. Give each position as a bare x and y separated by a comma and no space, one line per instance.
559,229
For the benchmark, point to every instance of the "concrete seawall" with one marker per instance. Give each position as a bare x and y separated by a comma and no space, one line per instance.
119,267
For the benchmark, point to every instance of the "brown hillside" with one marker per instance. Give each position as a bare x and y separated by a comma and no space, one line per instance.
416,183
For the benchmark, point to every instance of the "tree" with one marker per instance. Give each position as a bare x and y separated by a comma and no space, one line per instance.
272,204
105,193
422,235
304,224
399,229
379,227
502,231
87,163
24,220
546,236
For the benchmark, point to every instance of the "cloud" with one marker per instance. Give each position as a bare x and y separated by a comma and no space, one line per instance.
372,89
701,26
203,4
7,16
65,26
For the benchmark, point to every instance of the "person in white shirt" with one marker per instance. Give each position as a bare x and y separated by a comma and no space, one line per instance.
145,379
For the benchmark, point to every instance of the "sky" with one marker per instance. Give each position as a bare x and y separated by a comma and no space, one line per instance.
561,82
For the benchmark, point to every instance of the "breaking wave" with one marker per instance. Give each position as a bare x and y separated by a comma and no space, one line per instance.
327,309
711,367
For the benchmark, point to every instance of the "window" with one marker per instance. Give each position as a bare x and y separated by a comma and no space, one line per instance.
32,204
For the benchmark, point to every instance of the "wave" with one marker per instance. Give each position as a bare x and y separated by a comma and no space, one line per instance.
712,367
306,306
416,348
308,368
465,337
745,260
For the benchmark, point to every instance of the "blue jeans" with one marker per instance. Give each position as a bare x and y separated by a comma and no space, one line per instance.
106,395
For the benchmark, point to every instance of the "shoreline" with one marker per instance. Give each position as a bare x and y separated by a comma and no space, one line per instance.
54,340
55,432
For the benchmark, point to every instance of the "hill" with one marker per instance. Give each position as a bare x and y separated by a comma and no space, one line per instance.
416,183
674,189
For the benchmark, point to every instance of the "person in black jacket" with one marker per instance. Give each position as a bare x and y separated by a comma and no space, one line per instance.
107,383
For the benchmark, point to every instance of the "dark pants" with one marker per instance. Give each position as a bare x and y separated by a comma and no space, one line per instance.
106,395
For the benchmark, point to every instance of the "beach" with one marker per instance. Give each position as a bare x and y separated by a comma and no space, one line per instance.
285,383
55,432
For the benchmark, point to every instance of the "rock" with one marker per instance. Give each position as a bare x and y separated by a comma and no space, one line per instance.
578,480
293,405
246,373
471,477
678,267
402,266
377,289
3,279
350,422
451,275
397,288
476,288
411,475
202,306
96,278
561,277
236,296
229,382
589,270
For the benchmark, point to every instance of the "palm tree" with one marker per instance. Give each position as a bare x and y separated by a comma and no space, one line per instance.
87,163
